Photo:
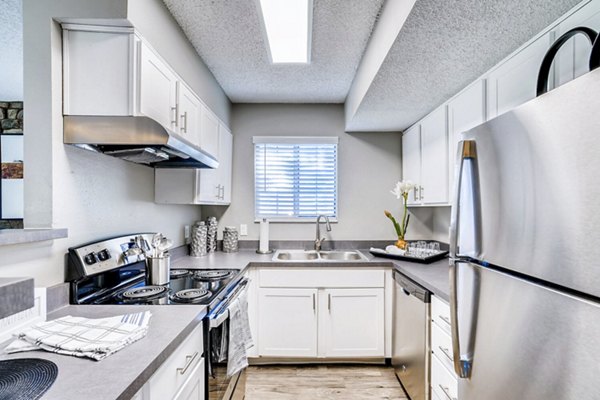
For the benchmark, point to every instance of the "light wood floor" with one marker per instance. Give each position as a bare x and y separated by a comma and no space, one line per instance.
312,382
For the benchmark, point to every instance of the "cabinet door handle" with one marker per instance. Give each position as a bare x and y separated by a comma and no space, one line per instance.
421,190
174,118
329,302
314,302
218,187
446,320
415,193
446,391
184,122
189,360
446,352
222,192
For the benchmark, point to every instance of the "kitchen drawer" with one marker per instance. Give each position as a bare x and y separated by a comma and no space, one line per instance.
322,277
441,347
440,313
176,370
443,384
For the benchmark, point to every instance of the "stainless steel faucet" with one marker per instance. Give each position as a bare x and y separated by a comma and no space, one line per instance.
319,240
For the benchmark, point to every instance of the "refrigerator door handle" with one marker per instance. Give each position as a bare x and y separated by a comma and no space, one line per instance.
466,150
454,326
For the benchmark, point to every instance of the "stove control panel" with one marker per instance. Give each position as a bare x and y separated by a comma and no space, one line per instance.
93,258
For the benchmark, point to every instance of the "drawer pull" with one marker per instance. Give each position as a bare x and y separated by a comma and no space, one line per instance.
189,360
446,320
446,391
446,353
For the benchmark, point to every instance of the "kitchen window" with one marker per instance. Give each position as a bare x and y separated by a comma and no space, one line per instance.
295,178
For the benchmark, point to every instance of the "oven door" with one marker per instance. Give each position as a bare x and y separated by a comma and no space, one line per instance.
219,385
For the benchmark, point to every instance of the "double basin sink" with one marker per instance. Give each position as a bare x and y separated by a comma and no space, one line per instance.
319,256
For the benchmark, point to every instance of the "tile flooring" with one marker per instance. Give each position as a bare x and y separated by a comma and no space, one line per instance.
311,382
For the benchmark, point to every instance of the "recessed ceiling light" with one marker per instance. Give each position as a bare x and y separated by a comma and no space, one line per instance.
288,24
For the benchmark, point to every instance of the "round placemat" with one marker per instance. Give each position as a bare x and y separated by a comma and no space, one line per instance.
26,378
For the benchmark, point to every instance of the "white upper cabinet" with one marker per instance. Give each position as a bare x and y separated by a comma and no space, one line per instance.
209,126
198,186
434,158
514,82
189,111
215,184
225,162
573,57
158,89
411,160
465,111
425,159
98,69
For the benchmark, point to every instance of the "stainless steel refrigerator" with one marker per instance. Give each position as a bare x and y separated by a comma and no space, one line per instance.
525,250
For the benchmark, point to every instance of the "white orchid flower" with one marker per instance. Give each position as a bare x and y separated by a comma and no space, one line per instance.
402,188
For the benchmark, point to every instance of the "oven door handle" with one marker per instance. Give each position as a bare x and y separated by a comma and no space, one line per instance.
222,313
218,319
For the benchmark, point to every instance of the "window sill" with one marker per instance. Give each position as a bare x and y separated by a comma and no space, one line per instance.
17,236
294,221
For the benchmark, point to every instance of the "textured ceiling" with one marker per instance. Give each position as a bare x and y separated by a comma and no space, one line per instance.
228,36
443,46
11,43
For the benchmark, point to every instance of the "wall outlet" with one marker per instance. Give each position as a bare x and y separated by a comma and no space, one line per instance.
186,233
243,230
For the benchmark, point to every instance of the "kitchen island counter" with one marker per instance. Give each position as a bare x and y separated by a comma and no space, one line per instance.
122,374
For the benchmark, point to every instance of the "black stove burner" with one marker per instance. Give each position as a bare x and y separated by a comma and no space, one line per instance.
213,275
191,295
145,292
179,273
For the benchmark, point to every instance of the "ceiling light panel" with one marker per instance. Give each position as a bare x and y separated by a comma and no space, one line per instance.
288,26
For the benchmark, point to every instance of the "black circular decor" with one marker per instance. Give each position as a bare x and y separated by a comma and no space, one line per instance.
26,378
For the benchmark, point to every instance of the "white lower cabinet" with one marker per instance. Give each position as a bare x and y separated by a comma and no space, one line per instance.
181,376
287,323
444,382
351,322
300,314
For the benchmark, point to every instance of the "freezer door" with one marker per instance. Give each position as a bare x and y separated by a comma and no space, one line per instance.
527,341
539,187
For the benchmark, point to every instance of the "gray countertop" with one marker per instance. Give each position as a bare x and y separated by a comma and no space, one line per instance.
122,374
433,277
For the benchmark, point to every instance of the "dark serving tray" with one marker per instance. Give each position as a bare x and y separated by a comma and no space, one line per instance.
426,260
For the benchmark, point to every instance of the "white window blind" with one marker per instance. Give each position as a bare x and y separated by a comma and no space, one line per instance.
295,178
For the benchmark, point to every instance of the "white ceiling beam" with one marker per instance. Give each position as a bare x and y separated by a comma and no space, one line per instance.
392,18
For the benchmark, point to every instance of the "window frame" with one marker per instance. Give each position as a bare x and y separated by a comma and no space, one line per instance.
296,140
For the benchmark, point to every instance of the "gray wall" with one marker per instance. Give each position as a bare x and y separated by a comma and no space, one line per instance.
441,223
92,195
369,166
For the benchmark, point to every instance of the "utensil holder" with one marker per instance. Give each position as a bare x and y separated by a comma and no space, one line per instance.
158,270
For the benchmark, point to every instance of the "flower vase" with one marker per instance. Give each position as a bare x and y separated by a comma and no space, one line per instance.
401,244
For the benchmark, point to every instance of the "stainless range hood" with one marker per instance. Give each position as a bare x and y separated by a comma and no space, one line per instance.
140,140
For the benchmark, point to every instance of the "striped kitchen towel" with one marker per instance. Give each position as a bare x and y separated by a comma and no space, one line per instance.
83,337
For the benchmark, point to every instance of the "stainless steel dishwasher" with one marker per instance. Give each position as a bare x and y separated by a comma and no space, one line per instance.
410,344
